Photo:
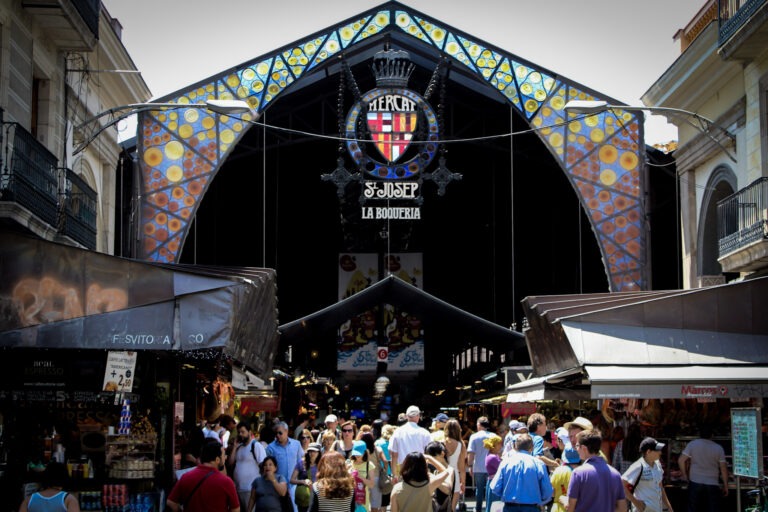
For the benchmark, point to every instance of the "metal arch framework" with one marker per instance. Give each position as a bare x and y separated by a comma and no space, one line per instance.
602,155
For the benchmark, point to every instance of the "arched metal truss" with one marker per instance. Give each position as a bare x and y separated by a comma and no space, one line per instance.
180,150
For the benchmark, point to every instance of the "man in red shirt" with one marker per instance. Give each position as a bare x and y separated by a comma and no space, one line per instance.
205,488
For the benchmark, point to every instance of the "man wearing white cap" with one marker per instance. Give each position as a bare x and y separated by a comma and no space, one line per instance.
515,428
408,438
331,421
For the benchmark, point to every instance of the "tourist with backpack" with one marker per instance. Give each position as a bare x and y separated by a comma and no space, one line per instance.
247,453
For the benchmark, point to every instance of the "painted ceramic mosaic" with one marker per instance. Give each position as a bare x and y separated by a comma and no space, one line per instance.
182,149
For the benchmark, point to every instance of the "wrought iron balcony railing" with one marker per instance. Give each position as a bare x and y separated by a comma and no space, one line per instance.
79,211
31,178
29,174
743,217
732,14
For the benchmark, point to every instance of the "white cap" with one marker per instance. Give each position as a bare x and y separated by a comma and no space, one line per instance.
331,418
412,411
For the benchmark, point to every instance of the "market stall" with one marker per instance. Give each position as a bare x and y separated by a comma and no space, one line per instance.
655,363
103,359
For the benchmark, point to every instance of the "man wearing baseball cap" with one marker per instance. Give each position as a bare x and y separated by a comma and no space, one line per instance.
331,422
515,428
408,438
643,484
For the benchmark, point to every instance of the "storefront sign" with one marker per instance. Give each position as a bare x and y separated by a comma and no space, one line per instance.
255,404
701,392
747,442
119,374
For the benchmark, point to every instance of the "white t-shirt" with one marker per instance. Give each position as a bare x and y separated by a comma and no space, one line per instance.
648,488
409,438
246,467
706,456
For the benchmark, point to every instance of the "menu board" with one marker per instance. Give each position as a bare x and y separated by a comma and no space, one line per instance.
747,442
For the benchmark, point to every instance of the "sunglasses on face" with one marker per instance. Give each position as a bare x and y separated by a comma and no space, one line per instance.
279,433
306,437
347,430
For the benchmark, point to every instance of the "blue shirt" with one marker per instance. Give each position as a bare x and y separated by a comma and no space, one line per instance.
287,456
538,445
522,479
476,446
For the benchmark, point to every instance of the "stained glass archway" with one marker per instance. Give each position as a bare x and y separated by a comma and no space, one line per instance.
602,155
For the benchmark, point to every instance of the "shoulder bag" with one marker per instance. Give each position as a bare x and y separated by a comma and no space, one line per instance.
385,480
199,483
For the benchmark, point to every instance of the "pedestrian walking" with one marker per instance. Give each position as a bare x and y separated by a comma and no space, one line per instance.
595,486
334,490
522,480
476,453
708,473
456,453
413,493
304,474
268,488
52,496
408,438
494,444
205,488
287,453
561,476
643,481
244,460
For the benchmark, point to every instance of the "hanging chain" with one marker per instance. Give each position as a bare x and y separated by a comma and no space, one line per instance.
441,114
340,109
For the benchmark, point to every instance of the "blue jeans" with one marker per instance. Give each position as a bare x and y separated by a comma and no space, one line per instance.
480,481
490,497
703,497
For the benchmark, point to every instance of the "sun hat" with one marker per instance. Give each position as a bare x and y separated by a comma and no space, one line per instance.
412,411
580,422
650,443
358,448
314,447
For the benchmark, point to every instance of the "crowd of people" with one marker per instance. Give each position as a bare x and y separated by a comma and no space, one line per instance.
346,466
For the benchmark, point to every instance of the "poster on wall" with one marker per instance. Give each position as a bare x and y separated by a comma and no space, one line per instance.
356,340
120,371
747,442
404,332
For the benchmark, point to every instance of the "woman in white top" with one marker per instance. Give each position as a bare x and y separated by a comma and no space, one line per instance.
456,454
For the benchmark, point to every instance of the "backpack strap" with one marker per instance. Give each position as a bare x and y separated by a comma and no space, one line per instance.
253,450
199,483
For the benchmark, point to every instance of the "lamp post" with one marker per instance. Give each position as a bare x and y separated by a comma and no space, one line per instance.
224,107
703,124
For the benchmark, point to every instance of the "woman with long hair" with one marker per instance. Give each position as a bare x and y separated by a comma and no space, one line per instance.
304,474
413,493
456,454
305,438
382,449
327,440
334,490
268,487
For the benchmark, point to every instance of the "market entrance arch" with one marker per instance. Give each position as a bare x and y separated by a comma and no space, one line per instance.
181,150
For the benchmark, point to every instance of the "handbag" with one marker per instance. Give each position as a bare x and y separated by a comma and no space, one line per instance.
286,504
302,495
385,481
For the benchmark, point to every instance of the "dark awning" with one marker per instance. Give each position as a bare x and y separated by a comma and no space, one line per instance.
58,296
703,342
715,325
393,290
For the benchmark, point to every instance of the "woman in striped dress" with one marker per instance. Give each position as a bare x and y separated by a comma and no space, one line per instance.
334,489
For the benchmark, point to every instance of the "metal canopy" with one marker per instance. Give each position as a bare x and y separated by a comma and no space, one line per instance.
393,290
701,343
58,296
707,382
716,325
